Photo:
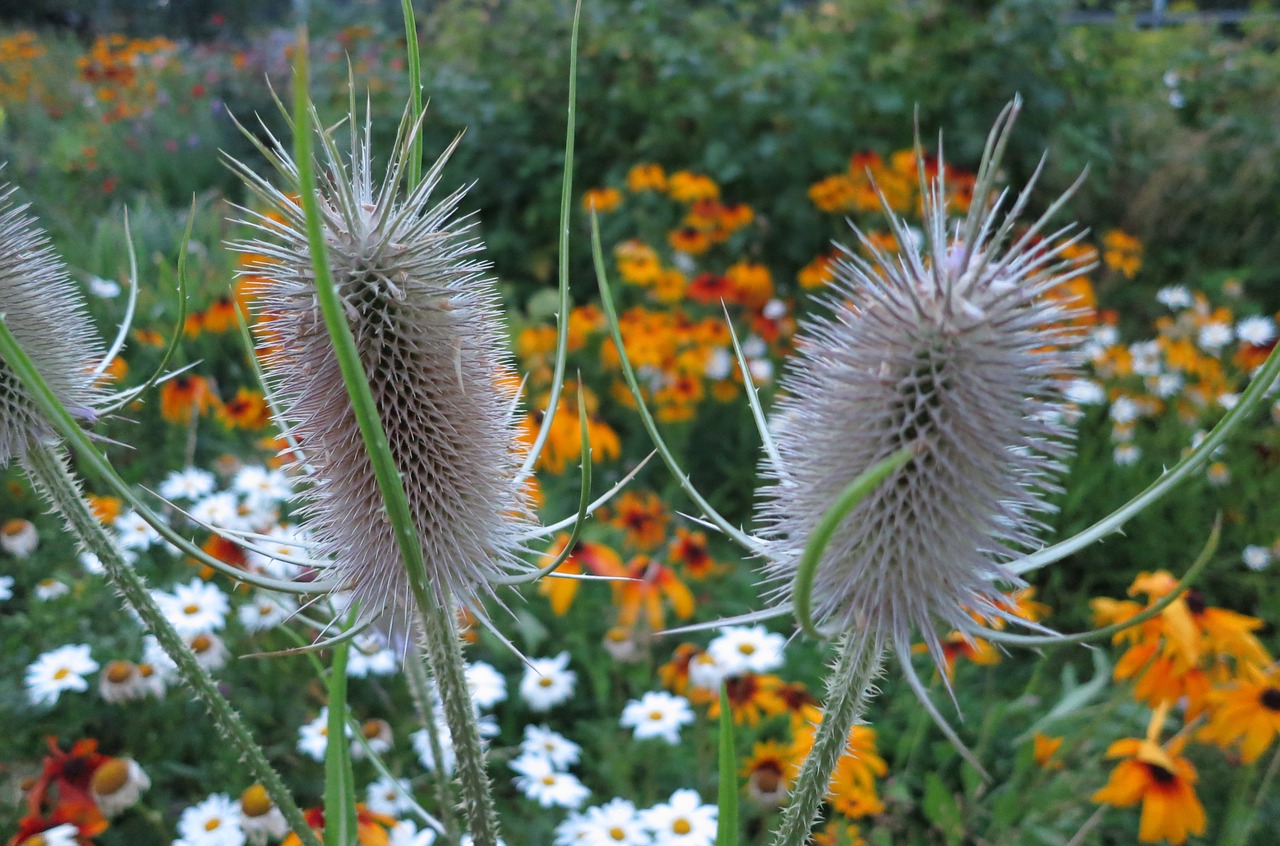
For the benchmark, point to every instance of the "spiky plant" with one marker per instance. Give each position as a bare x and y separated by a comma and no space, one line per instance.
428,331
46,313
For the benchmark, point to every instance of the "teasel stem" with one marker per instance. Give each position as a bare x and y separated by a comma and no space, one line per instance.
850,686
416,674
444,655
48,470
435,604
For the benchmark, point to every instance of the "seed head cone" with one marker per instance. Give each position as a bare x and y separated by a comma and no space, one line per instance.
45,312
429,332
954,349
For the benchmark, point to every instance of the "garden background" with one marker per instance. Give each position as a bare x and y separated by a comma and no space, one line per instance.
724,145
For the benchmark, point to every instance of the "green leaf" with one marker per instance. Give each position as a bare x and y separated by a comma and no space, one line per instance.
339,782
943,810
727,827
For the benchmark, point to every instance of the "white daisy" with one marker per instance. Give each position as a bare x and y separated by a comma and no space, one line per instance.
266,611
133,533
556,748
213,822
407,834
486,684
1085,392
1213,336
719,364
1126,455
190,484
615,823
377,734
313,737
547,682
747,649
285,540
60,669
221,510
1174,297
210,651
195,607
60,835
392,797
121,681
371,657
538,780
104,289
47,589
19,538
6,588
1258,330
1256,557
683,821
657,714
261,487
118,784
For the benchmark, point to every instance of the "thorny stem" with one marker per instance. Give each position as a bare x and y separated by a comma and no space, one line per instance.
416,674
849,686
444,653
50,473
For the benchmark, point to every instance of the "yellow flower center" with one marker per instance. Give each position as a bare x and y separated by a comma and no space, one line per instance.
110,777
62,673
372,729
11,528
201,643
548,780
212,824
617,833
190,608
747,648
655,715
119,672
254,802
545,681
681,826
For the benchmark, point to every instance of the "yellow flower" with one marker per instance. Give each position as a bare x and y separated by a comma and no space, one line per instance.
1160,780
1247,711
1044,748
646,177
1122,252
686,187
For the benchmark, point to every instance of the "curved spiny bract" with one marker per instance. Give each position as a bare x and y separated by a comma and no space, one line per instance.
428,329
954,349
45,312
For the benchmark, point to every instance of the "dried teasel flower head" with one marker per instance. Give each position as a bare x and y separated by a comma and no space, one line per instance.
953,347
429,333
46,313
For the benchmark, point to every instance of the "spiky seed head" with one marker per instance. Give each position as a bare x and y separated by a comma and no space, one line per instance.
46,313
951,347
429,333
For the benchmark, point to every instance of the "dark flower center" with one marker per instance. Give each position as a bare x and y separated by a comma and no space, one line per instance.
1160,775
1195,602
1270,699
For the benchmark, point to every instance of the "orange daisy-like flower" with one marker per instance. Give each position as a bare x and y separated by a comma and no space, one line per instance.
587,556
371,828
186,397
1163,782
248,410
1044,748
650,583
675,673
689,550
852,791
646,177
751,696
1247,711
643,517
1122,252
601,200
768,773
711,288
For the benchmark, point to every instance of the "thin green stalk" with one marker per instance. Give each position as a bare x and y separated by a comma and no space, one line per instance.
339,781
1241,814
415,674
434,603
414,56
50,473
727,796
850,685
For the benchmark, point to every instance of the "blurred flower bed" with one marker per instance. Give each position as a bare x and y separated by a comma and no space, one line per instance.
711,232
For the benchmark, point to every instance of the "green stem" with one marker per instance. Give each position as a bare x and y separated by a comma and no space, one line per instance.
444,654
849,686
49,472
340,826
1241,814
415,674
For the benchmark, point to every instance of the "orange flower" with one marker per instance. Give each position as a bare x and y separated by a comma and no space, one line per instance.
105,508
852,791
185,397
675,673
646,177
651,582
751,696
818,272
371,828
601,200
689,550
248,410
1044,748
689,239
221,315
686,187
643,517
752,284
1122,252
711,288
1247,711
596,558
1162,781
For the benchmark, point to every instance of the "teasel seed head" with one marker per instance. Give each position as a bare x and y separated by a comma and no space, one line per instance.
951,347
46,313
428,329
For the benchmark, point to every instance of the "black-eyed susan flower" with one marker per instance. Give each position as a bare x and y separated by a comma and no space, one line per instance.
1246,712
1162,782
